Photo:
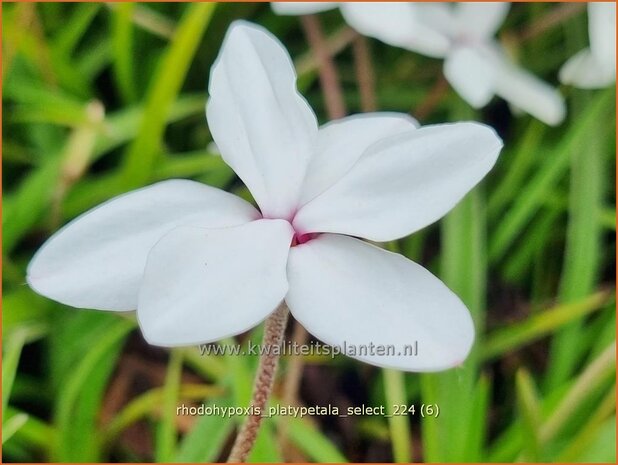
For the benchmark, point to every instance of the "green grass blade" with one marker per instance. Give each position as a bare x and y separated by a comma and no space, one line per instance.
149,405
73,30
40,103
587,434
601,334
208,366
517,170
163,90
597,374
37,193
23,310
12,425
603,447
265,449
149,20
165,445
26,206
188,165
608,218
316,446
94,61
479,420
584,254
565,409
463,268
395,394
10,361
194,449
549,173
77,406
122,41
517,335
529,413
516,266
118,129
35,434
123,126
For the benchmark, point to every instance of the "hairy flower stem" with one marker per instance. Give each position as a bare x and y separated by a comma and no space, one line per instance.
274,329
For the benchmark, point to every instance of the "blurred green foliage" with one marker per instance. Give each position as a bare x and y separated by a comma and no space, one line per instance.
102,98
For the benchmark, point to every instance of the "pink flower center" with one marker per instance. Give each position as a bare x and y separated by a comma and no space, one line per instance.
299,238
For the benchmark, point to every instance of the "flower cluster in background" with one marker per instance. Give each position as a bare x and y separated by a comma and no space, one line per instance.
475,64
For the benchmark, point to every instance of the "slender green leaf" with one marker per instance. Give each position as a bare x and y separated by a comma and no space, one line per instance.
166,432
150,20
265,449
122,38
515,176
77,408
584,248
308,437
528,407
39,191
194,449
598,373
149,405
587,435
603,448
395,394
463,269
74,28
10,361
554,166
534,327
163,90
37,435
12,425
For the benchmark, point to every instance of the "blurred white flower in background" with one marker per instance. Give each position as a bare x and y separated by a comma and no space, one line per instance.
201,264
595,67
462,34
389,22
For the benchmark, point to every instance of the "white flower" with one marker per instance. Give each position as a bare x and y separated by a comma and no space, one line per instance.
394,23
462,33
200,264
595,67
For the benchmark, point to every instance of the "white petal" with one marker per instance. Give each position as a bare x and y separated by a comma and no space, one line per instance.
480,20
98,259
262,125
394,23
602,32
345,291
341,143
440,16
528,92
404,183
471,75
202,285
301,8
583,70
